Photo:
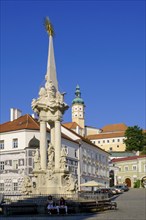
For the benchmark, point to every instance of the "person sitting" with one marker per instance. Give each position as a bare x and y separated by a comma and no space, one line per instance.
62,204
51,205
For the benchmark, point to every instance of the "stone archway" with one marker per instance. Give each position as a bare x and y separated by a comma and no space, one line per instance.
143,182
128,182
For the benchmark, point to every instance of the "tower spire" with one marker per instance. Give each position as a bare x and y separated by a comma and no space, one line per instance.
51,74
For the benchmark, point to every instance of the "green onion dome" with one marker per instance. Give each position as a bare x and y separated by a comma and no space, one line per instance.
78,99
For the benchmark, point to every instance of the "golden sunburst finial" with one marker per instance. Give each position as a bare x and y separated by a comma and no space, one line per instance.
49,27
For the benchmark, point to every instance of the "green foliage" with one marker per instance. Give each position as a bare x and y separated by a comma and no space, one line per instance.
137,184
143,152
135,139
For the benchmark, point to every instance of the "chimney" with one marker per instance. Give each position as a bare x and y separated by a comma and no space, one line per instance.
15,113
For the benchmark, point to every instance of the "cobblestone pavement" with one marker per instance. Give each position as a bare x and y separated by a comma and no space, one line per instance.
131,206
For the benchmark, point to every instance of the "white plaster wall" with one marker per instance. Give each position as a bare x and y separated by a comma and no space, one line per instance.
8,140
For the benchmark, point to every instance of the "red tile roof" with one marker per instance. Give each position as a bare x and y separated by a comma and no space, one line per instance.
105,135
71,125
114,127
23,122
127,158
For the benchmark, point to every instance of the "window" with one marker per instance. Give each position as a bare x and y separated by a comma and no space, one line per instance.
15,143
113,140
103,141
15,186
107,141
126,168
134,167
1,145
120,169
110,148
2,165
76,153
117,145
15,164
98,142
2,188
118,140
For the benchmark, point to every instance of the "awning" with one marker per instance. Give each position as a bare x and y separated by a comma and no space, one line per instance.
92,183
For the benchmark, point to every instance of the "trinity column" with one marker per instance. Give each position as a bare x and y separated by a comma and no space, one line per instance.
50,107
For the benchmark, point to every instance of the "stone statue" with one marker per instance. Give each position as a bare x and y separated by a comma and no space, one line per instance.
37,165
51,156
42,92
27,185
63,152
71,183
63,158
49,27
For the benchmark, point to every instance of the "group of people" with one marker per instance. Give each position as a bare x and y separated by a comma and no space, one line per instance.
51,205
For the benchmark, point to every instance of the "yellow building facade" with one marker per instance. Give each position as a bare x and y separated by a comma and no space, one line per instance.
111,138
130,170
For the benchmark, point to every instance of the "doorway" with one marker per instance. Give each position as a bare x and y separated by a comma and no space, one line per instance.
128,182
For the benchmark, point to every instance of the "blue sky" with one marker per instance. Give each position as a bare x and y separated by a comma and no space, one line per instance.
99,45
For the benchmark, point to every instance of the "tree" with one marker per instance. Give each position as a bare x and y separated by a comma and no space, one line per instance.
135,139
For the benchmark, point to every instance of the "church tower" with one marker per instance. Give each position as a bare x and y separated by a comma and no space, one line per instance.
78,109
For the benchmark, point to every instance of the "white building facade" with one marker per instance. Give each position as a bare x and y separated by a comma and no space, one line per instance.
19,140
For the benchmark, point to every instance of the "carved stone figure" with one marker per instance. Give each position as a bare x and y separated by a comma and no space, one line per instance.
37,160
51,156
63,158
42,92
63,152
27,185
71,183
50,174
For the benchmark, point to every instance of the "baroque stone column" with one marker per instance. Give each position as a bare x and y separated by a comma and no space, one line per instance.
43,145
57,144
52,133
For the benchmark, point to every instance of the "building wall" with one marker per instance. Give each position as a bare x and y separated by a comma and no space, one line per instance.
110,144
90,130
94,165
131,169
14,162
8,138
84,160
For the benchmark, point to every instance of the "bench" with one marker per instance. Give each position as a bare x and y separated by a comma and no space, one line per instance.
91,206
19,208
106,204
71,206
88,206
